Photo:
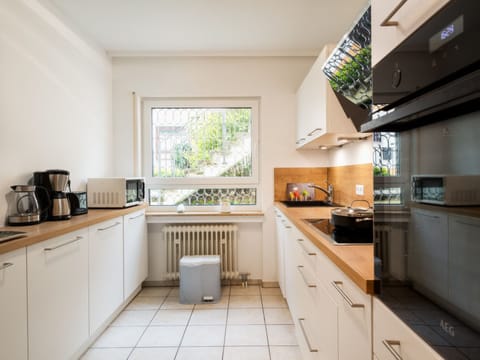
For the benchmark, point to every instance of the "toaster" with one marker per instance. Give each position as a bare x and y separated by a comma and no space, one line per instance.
78,202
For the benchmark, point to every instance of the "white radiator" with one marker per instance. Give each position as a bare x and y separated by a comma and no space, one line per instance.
202,239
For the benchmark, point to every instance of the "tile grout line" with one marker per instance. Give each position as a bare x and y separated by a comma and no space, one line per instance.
145,330
265,324
226,322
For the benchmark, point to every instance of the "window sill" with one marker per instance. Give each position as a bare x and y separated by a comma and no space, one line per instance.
169,217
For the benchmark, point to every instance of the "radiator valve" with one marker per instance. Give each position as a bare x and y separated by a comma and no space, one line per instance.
244,278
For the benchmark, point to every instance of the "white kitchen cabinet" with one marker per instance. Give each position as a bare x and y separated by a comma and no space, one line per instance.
282,226
135,251
409,17
354,312
428,250
57,271
105,271
464,254
320,117
13,305
317,315
332,315
392,339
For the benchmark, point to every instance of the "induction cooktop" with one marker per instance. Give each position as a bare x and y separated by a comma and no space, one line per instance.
341,235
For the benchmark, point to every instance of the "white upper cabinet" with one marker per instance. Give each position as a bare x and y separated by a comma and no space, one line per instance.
320,117
404,18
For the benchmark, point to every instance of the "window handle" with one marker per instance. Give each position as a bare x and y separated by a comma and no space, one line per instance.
387,21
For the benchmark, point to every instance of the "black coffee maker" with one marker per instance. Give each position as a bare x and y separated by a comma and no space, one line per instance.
55,181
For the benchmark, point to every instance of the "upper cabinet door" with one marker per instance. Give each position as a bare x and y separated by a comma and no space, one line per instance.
320,116
400,18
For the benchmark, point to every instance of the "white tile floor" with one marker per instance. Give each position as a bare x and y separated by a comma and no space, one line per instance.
251,323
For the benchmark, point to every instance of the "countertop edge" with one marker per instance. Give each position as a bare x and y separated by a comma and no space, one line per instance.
51,229
367,284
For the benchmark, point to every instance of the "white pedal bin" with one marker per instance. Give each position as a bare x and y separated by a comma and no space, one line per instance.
200,279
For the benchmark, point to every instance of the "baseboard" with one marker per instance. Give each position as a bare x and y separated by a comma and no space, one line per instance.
232,282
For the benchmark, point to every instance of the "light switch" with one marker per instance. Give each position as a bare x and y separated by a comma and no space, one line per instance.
359,189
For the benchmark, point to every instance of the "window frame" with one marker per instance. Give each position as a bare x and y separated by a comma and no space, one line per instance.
200,182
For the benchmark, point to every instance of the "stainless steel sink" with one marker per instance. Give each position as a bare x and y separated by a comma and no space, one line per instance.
308,203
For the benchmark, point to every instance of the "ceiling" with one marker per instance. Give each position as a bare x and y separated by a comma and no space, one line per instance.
211,27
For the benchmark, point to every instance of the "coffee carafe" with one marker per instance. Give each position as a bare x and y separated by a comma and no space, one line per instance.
60,209
23,206
56,181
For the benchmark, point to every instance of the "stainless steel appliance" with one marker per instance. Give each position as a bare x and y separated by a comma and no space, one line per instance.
78,202
23,207
115,192
56,182
426,224
60,208
433,75
451,190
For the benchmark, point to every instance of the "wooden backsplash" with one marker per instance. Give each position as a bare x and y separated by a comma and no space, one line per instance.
343,179
283,176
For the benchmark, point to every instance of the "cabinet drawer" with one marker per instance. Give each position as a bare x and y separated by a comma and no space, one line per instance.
392,339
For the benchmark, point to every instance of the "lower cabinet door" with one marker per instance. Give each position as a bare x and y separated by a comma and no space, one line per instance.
57,272
392,339
135,251
354,319
13,305
105,271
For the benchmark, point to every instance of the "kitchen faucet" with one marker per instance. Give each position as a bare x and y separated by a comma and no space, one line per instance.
328,191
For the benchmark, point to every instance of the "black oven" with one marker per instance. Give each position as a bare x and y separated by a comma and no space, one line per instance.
432,75
427,124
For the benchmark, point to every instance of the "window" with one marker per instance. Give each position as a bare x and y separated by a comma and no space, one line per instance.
390,170
198,152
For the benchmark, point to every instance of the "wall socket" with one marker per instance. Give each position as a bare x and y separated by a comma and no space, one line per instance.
359,189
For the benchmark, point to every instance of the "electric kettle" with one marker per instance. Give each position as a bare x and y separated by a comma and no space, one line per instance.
23,208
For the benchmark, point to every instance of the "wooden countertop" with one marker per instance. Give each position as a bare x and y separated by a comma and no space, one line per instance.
356,261
50,229
473,211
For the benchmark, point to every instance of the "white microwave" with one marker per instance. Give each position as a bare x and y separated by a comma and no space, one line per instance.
450,190
115,192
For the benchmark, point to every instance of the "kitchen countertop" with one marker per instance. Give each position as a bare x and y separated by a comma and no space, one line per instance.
50,229
356,261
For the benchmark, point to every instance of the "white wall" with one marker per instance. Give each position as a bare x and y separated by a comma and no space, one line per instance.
352,154
55,99
274,80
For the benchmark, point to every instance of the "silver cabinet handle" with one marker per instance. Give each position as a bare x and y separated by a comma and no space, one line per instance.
5,265
64,244
389,345
300,140
387,21
314,131
299,268
345,296
300,321
109,227
300,242
136,217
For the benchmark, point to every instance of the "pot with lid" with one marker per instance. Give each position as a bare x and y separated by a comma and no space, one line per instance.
353,218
